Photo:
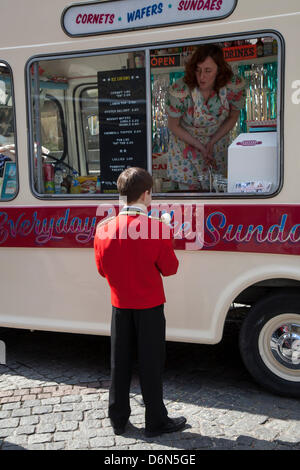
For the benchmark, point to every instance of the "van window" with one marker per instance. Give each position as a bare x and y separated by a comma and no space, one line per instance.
103,130
202,117
8,168
52,126
89,117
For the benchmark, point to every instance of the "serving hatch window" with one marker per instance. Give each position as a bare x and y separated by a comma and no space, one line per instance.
215,123
8,168
211,109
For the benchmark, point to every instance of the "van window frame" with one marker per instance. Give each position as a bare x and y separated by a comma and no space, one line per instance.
58,105
3,201
146,48
84,88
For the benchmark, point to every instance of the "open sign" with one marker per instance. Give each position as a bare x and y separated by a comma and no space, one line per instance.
165,61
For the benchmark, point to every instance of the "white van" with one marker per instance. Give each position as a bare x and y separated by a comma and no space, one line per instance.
83,93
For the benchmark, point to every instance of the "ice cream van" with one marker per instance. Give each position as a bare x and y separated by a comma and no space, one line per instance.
85,93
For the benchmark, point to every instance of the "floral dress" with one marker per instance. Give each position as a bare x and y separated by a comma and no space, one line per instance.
202,120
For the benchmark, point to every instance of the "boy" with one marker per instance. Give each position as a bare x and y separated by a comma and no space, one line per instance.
132,258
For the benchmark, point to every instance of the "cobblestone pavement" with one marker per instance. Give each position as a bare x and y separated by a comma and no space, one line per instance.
54,395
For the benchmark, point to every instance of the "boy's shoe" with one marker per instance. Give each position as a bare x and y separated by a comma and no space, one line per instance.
172,425
118,429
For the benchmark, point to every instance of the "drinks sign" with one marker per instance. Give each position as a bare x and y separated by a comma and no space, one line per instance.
240,52
85,19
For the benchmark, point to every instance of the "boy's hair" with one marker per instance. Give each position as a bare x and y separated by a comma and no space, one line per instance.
133,182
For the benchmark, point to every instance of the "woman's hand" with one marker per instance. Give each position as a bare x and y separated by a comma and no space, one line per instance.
201,148
210,161
185,136
210,148
209,154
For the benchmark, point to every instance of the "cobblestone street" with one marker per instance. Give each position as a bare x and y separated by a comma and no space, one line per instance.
54,395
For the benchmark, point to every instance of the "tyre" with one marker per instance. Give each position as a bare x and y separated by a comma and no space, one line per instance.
270,343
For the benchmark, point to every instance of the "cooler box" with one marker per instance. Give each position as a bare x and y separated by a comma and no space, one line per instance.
253,163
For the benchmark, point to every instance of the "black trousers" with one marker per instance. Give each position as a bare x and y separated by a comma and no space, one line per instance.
142,331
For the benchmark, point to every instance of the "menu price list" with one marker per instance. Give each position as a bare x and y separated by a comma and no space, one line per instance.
122,118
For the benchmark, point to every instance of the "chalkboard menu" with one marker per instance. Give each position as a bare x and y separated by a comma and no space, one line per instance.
122,120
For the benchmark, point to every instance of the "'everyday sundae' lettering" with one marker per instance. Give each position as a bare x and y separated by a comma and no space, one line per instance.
45,229
194,227
217,228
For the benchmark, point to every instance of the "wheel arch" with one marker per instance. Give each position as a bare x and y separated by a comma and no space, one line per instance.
249,288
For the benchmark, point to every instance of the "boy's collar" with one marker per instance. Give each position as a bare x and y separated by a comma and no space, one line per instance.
135,207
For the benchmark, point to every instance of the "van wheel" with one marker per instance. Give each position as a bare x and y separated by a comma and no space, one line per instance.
270,343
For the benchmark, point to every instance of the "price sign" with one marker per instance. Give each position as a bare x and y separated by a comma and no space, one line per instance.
122,118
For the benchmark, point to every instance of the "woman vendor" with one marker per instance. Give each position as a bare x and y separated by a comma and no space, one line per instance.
202,108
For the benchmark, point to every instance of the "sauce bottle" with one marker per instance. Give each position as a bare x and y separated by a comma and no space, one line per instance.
260,48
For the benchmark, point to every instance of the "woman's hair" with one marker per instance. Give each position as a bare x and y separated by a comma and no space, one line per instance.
224,74
133,182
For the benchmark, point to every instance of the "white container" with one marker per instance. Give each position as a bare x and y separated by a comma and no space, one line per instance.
253,158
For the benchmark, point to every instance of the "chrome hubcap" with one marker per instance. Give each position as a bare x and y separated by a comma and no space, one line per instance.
285,345
279,346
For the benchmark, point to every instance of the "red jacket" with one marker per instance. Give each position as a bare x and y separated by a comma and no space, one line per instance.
133,264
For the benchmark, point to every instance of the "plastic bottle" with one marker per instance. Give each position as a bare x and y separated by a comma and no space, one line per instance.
48,178
274,47
98,185
65,177
260,48
268,46
75,187
58,179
